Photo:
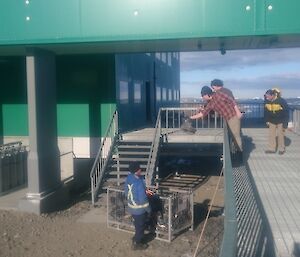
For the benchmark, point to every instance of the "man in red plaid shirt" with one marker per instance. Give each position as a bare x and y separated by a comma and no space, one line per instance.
224,105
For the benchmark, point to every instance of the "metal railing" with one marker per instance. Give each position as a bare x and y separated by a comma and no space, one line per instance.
151,164
249,108
103,155
173,118
169,120
254,236
252,110
13,166
246,229
229,244
295,118
174,210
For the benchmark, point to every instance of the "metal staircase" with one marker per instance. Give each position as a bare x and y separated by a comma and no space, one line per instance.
111,164
116,152
125,151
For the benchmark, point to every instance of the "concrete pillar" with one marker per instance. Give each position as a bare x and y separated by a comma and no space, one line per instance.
45,190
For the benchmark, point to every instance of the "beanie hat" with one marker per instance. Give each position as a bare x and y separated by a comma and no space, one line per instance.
134,167
216,82
277,91
270,92
206,91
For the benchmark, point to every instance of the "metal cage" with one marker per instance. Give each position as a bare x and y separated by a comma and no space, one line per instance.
175,215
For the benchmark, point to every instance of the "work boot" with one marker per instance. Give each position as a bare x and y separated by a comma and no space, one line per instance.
269,151
139,246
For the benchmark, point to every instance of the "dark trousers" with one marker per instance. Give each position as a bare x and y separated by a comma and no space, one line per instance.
139,224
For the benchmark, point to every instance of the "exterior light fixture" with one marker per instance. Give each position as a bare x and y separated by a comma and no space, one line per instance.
222,49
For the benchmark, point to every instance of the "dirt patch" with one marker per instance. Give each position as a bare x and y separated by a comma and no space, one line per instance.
60,234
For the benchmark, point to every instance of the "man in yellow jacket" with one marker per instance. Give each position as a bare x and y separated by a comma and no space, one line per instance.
276,112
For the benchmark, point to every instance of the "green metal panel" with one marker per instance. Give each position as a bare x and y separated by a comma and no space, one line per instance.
282,16
73,120
59,21
228,17
39,20
135,19
106,111
15,119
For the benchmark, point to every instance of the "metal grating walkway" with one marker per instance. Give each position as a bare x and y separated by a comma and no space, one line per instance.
277,179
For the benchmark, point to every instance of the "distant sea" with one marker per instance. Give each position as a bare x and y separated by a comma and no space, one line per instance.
252,108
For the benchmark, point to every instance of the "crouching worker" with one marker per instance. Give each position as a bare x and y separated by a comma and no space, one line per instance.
156,217
138,204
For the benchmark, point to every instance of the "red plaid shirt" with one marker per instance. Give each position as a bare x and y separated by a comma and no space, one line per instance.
222,104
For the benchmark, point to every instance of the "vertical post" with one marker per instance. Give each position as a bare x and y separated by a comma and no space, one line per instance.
170,200
44,181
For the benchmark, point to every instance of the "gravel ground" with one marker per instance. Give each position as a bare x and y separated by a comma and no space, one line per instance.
60,234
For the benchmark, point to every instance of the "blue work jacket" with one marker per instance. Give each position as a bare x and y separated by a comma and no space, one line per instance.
135,192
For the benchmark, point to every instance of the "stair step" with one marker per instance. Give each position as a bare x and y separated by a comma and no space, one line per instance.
115,168
134,142
128,159
133,153
125,152
134,146
122,173
143,166
113,183
114,179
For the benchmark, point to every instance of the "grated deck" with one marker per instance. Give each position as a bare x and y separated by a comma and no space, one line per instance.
277,178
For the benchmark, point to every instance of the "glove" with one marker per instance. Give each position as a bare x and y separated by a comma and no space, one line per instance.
149,192
285,125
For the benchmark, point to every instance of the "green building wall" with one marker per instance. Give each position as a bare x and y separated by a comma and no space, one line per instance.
85,95
13,97
88,92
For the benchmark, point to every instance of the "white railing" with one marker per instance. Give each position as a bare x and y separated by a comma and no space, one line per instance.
103,156
296,119
151,164
173,119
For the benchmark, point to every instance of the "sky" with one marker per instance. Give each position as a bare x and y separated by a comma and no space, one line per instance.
248,73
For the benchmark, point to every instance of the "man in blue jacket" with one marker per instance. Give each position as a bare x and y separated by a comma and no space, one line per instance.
138,204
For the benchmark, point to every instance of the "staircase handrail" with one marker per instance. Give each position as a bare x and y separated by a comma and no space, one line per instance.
153,151
103,155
